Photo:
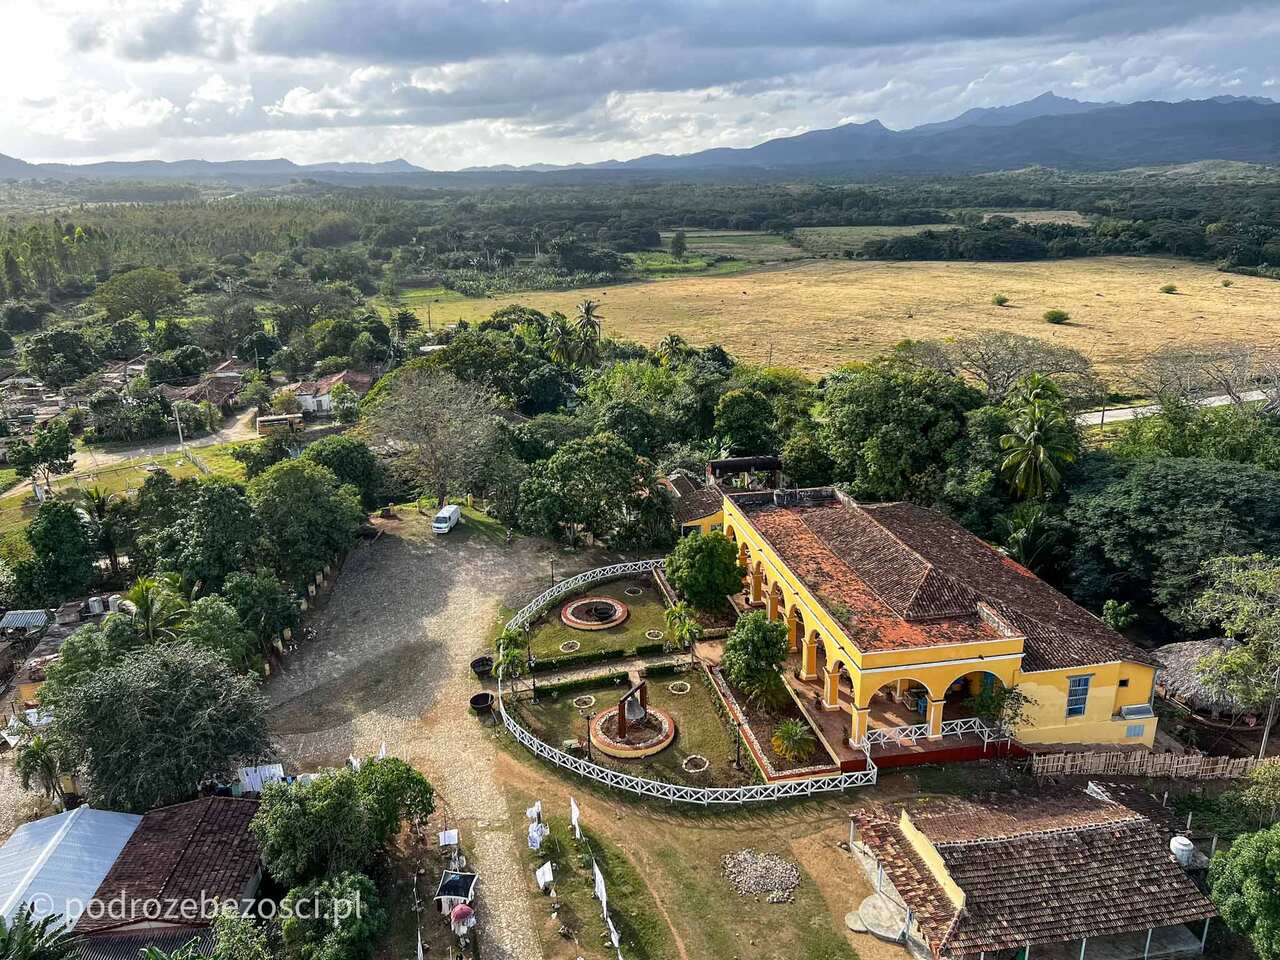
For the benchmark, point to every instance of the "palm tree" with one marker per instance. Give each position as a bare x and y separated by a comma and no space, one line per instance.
559,340
586,347
99,511
37,762
793,741
25,938
190,951
670,348
159,607
1039,443
589,319
683,625
1027,540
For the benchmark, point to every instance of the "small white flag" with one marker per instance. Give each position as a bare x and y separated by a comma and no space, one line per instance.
573,818
545,876
382,753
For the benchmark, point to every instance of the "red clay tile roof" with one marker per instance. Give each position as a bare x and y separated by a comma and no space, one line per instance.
927,571
357,381
1057,870
189,851
698,504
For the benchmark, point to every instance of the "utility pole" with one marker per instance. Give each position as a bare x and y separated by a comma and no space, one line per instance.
1271,714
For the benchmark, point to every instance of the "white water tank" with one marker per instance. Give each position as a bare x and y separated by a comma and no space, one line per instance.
1183,850
113,602
95,605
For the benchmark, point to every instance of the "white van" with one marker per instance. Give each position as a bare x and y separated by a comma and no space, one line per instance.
447,518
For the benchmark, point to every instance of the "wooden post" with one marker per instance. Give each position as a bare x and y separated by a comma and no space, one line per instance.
1204,934
1146,951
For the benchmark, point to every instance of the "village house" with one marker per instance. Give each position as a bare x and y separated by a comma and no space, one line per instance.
315,396
105,873
1072,875
897,617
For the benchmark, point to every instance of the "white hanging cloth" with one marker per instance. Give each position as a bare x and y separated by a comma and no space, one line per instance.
573,818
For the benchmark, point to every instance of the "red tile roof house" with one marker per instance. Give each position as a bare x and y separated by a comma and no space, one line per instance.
315,395
1064,876
177,859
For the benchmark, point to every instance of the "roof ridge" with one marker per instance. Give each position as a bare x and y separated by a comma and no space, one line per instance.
1134,818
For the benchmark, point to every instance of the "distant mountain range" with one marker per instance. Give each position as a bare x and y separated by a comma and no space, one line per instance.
1048,130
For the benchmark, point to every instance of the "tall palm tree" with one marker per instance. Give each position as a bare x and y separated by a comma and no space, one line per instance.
99,509
1039,443
589,318
670,348
1027,539
159,607
37,762
559,340
585,347
25,938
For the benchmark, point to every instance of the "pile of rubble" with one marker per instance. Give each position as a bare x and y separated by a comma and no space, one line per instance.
761,874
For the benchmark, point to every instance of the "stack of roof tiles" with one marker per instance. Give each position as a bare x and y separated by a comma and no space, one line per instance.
1036,871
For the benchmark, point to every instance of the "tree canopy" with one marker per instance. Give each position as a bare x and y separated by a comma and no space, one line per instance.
704,569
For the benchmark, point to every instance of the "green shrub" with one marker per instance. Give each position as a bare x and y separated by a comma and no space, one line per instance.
1169,288
1056,316
999,299
664,670
647,649
578,659
584,683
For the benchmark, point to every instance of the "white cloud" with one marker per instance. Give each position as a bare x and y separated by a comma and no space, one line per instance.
449,83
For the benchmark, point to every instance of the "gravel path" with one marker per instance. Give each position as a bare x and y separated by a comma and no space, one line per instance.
391,663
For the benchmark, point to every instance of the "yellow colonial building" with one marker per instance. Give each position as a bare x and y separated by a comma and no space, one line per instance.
897,616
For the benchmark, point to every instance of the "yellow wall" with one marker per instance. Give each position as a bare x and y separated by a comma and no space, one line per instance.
927,852
1047,720
936,668
704,525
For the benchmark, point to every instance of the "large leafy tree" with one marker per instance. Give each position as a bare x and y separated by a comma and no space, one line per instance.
147,291
754,653
265,606
587,486
705,570
351,462
213,624
435,427
305,517
338,822
148,730
347,925
213,538
1244,882
1242,595
46,455
1144,531
888,429
61,561
59,356
744,422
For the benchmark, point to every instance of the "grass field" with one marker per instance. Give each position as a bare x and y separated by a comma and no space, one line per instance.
1073,217
817,315
834,241
750,245
17,509
647,612
660,263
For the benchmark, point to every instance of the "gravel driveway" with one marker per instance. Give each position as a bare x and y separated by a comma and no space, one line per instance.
391,663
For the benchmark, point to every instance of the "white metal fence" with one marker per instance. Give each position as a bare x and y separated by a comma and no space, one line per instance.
920,731
672,792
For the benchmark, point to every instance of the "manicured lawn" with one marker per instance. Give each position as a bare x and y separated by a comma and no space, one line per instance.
647,613
700,730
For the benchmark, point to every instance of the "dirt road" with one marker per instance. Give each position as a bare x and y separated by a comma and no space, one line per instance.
391,663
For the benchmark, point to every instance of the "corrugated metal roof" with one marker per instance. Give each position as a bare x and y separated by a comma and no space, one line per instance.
128,947
24,619
64,857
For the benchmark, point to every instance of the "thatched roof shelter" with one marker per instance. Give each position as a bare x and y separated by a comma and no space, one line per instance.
1181,679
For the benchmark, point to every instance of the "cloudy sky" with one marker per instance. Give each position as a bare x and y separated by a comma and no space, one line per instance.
455,83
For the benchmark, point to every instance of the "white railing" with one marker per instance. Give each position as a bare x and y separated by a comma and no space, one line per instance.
920,731
535,607
916,731
672,792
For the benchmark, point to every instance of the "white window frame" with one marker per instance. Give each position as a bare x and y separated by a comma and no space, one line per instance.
1083,701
